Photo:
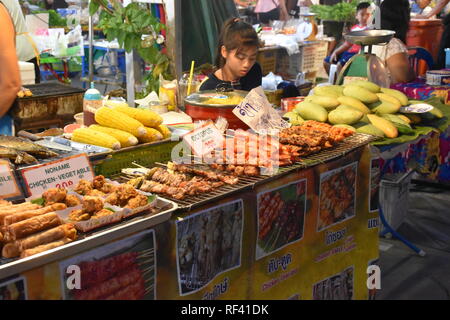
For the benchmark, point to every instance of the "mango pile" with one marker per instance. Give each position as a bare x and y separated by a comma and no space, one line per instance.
360,106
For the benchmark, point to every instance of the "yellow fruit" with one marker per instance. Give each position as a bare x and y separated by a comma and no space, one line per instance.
387,107
328,103
368,128
311,111
346,126
396,94
327,91
360,93
89,136
384,125
126,139
372,87
114,119
344,115
404,118
146,117
294,118
354,103
385,97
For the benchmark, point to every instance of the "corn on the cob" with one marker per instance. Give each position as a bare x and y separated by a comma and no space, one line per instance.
146,117
126,139
164,131
89,136
151,135
114,119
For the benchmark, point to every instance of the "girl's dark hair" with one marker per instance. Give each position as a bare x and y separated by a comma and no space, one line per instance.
235,34
395,16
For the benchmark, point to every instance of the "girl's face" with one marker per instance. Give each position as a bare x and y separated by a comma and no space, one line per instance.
239,63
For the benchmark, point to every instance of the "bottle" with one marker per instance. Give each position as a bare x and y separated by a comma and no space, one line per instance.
91,102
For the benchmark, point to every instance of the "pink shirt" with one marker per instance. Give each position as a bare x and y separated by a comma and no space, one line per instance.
266,5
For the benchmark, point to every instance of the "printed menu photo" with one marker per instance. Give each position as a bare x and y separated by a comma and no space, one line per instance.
337,196
122,270
13,289
336,287
208,244
375,178
281,217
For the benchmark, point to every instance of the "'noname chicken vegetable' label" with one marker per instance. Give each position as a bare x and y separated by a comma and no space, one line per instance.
57,174
8,184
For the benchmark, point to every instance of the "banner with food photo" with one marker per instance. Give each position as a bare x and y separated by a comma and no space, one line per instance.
346,242
279,248
14,289
337,196
208,243
281,217
339,286
121,270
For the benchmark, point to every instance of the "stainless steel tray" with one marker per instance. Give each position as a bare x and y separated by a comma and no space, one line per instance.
9,267
369,37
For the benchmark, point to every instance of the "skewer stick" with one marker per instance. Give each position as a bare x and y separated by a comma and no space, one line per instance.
138,165
161,164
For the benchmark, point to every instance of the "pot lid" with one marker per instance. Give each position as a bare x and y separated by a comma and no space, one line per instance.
212,98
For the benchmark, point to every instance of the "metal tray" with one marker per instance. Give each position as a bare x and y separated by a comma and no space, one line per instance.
369,37
9,267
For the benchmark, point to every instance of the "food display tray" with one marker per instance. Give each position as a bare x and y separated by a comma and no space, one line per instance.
86,241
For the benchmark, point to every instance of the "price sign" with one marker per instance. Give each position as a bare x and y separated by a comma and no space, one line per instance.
64,173
204,139
257,112
9,187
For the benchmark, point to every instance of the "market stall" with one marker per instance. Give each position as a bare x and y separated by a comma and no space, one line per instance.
226,244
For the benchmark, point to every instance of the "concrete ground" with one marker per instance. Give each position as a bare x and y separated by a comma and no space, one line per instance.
404,274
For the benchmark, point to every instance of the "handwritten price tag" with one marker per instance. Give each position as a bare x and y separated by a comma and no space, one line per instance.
257,112
64,173
204,139
9,187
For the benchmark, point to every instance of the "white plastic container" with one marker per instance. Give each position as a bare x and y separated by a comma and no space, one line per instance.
27,74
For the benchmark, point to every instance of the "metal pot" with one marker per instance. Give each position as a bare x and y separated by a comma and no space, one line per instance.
207,105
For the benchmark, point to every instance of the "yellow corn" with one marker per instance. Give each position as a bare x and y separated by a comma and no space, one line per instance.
151,136
126,139
114,119
89,136
146,117
164,131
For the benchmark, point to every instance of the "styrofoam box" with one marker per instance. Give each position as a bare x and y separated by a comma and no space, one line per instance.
27,74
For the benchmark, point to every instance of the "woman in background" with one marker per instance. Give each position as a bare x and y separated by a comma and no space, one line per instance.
271,10
9,70
395,16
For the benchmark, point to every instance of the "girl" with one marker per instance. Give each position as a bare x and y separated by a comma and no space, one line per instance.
236,58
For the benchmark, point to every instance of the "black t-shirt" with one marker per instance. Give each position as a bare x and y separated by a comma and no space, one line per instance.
248,82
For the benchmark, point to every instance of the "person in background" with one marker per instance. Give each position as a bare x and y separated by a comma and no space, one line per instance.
445,39
271,10
344,52
237,50
9,72
56,4
395,16
25,46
